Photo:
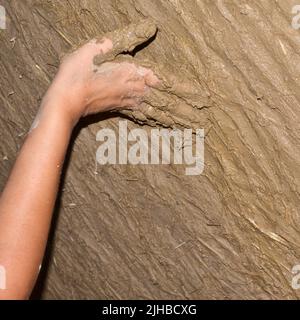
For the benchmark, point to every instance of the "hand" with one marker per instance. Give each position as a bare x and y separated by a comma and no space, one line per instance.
88,89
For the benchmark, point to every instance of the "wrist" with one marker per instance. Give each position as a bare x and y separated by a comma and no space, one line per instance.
64,104
56,107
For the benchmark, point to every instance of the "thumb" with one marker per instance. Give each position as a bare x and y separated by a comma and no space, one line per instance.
127,39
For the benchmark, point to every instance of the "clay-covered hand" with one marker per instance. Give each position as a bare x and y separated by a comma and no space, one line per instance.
87,88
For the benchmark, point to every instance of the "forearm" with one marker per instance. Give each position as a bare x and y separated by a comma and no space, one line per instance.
28,199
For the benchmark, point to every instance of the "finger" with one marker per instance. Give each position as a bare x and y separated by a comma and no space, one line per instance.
131,102
127,39
136,94
151,79
149,71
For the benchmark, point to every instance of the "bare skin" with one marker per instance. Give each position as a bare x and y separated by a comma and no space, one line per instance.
27,202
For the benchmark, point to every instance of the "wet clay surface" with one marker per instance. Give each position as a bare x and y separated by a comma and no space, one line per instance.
230,67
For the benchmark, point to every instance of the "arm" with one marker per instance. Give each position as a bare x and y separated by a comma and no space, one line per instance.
27,202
